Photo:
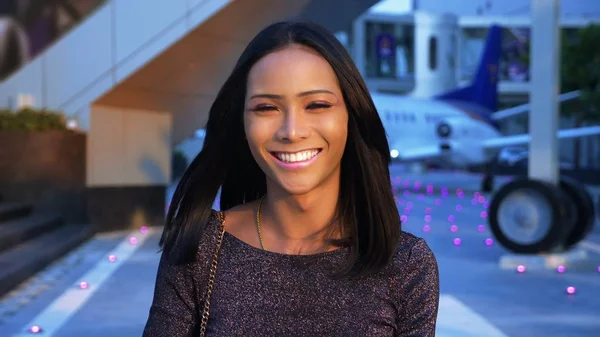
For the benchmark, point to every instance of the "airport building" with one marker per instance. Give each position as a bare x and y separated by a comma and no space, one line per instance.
425,66
470,24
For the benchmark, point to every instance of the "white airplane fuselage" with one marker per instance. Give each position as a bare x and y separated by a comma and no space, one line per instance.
412,124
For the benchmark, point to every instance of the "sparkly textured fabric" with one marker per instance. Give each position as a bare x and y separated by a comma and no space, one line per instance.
261,293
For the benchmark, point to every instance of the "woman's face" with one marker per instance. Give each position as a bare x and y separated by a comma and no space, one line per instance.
295,119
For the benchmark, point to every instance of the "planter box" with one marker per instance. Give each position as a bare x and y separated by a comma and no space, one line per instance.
45,169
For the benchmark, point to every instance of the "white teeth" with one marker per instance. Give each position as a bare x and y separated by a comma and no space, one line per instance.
297,156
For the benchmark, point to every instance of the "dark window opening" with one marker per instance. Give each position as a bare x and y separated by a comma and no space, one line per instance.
433,53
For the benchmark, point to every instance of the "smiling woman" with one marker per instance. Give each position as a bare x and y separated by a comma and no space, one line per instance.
309,240
297,133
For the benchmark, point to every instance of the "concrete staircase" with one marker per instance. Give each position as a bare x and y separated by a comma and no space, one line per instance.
29,242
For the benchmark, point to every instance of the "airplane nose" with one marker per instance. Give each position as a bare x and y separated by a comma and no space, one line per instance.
444,130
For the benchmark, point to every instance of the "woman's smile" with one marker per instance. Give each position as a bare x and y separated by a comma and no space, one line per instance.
297,159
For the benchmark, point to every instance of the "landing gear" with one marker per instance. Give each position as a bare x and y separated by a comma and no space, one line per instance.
583,211
487,182
529,216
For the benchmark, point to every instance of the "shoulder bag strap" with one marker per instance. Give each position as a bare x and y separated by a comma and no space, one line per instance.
211,276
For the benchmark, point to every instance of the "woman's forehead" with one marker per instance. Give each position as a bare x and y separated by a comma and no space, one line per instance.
292,69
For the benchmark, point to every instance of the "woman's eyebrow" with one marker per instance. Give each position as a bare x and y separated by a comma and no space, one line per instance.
302,94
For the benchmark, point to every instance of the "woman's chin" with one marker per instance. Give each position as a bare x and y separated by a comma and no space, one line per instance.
295,186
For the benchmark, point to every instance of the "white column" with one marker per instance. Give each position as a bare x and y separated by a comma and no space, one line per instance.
358,47
545,87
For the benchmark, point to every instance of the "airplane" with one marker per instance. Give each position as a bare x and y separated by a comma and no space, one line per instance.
459,126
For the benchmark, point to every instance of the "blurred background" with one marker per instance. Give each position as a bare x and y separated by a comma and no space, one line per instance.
103,105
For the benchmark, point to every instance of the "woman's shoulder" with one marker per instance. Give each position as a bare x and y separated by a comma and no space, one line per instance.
413,253
214,219
209,233
413,270
213,225
412,244
191,246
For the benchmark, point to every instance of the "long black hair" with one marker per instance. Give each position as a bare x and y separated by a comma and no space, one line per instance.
366,207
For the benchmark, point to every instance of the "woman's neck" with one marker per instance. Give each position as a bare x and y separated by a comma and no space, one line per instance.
299,224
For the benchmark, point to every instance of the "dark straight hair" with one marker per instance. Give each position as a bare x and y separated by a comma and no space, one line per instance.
366,209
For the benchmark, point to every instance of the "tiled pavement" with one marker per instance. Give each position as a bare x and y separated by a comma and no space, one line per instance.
478,298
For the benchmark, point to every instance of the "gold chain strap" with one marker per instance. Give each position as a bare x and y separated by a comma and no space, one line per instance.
211,276
258,226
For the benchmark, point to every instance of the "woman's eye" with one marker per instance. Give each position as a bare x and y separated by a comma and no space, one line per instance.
318,105
264,108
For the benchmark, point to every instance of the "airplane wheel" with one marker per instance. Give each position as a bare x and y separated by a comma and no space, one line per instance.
583,216
487,183
528,216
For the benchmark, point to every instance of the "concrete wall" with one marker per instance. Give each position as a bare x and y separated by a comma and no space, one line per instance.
128,167
45,169
128,147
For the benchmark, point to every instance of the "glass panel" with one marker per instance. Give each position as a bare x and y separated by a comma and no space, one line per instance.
472,42
27,28
433,53
514,57
389,50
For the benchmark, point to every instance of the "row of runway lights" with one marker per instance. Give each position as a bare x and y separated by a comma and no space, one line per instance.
83,285
478,199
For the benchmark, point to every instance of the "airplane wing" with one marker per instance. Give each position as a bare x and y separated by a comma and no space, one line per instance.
523,108
526,138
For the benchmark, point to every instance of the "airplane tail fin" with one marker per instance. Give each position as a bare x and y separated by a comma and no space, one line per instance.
483,90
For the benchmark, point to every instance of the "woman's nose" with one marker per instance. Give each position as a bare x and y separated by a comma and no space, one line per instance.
293,127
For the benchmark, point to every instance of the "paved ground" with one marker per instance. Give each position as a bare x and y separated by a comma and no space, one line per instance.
478,298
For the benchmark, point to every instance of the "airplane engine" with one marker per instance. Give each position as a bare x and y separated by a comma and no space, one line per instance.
459,141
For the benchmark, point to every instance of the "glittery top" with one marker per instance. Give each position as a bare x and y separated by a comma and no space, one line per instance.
262,293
